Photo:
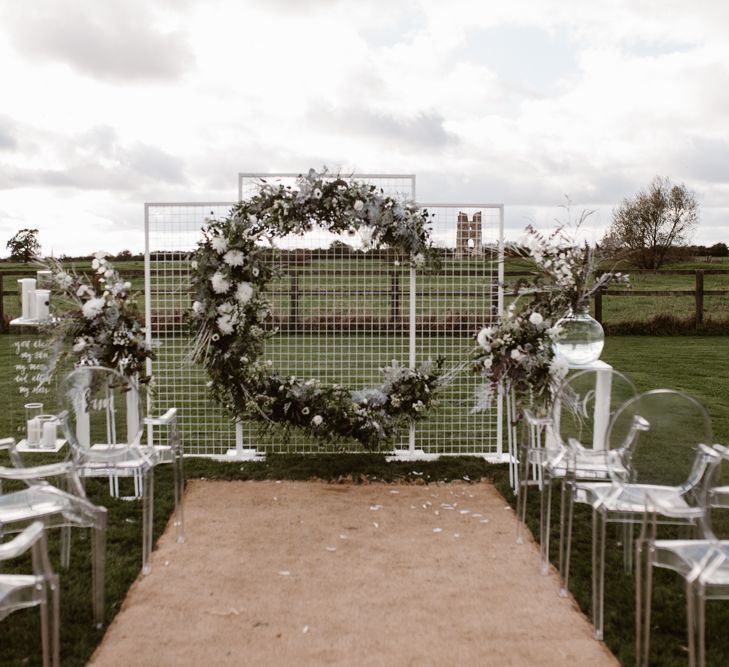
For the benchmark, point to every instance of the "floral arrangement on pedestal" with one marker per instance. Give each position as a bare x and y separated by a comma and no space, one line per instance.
523,352
97,321
230,271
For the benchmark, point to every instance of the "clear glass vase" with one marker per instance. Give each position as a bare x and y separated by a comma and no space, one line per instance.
582,338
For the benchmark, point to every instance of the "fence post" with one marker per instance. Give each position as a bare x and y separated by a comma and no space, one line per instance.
394,297
598,305
699,297
294,301
2,304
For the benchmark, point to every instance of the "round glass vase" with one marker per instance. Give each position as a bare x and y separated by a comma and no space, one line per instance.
582,338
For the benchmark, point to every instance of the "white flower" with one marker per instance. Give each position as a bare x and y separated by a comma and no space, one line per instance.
317,193
484,336
83,289
108,273
193,264
558,368
317,420
395,401
64,280
244,292
92,308
358,205
305,411
234,258
554,332
197,307
225,308
252,219
255,271
517,355
220,283
536,319
220,245
95,264
225,324
79,345
488,362
215,337
419,259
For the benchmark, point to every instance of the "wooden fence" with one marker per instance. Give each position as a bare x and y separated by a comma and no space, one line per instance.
8,287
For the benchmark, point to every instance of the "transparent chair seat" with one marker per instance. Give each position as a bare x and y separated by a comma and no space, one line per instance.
44,502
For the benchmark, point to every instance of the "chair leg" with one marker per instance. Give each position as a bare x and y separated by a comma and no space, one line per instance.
147,519
55,622
598,571
521,497
565,536
45,633
98,566
179,483
65,546
701,613
545,522
628,547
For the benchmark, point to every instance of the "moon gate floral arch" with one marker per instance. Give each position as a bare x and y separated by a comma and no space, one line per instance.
230,272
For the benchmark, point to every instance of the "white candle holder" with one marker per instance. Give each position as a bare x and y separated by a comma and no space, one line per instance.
42,304
33,413
27,298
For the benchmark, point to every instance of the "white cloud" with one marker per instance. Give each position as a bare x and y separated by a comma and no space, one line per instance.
518,102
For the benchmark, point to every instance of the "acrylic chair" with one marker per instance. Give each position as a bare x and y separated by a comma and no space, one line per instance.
569,446
102,420
657,438
22,591
63,508
702,562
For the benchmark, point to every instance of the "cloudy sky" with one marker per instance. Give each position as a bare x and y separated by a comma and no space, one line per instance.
108,104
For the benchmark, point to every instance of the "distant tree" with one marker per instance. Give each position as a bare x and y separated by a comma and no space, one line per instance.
124,255
718,250
654,220
24,246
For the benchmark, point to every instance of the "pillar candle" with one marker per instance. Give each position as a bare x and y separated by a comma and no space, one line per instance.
27,288
42,304
34,431
49,434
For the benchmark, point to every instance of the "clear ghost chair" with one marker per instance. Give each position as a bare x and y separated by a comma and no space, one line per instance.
657,438
569,446
163,437
702,562
63,508
102,420
22,591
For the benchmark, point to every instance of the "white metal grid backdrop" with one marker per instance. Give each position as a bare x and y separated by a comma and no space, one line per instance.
342,310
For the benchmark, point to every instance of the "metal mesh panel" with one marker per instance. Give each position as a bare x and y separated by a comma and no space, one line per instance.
342,311
452,307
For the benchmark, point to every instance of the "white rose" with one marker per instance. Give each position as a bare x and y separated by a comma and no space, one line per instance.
419,259
193,263
225,308
317,420
95,264
225,324
358,205
79,345
92,308
536,319
483,336
517,355
244,292
220,283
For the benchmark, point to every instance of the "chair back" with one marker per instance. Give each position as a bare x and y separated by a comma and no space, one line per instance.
585,404
100,409
657,437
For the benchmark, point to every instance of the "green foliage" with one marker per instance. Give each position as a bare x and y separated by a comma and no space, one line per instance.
24,246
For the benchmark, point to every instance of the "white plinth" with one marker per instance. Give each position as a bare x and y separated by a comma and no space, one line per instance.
246,454
420,455
25,448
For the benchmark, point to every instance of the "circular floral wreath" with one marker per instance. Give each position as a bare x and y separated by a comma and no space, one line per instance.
230,271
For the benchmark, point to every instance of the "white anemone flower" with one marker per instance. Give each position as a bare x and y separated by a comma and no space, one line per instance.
317,193
244,292
220,245
92,308
234,258
220,283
